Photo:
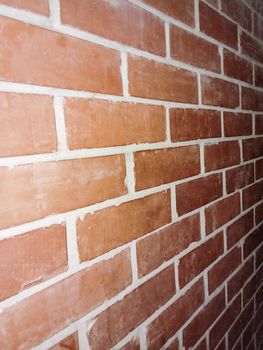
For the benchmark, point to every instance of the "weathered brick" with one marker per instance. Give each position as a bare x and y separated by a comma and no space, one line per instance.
237,67
99,123
221,155
259,124
252,194
259,213
253,241
157,167
155,80
259,169
237,124
112,227
71,343
38,6
236,231
163,245
251,47
239,177
251,99
191,124
252,148
239,12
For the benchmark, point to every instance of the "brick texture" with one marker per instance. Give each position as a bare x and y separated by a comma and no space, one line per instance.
131,174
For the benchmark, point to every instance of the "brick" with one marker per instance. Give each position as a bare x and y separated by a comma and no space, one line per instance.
221,155
252,148
31,258
112,227
222,345
199,259
175,316
174,345
259,337
259,213
259,169
97,123
23,119
133,344
191,49
192,124
163,245
198,326
157,167
195,194
251,99
155,80
213,3
247,337
34,319
217,26
224,323
239,12
202,345
38,6
258,26
240,324
216,92
253,241
59,60
71,343
115,21
221,212
236,231
182,10
259,297
239,177
237,282
251,47
237,67
222,269
54,187
237,124
252,286
252,194
122,317
259,124
258,76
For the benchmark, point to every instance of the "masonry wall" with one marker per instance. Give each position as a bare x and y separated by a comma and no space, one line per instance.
131,174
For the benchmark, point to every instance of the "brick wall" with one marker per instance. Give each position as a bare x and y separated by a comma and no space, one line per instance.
131,174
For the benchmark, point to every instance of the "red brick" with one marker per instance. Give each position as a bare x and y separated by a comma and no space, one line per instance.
239,177
259,258
221,212
157,167
253,241
216,92
195,194
252,286
252,194
191,49
224,323
239,12
199,259
54,187
192,124
237,124
259,124
174,345
34,319
23,119
155,80
98,123
122,317
222,345
247,337
237,67
259,296
237,282
31,258
258,76
259,213
182,10
38,6
175,316
112,227
251,99
133,344
240,324
221,155
213,3
258,26
59,60
163,245
116,21
222,269
259,169
198,326
202,345
252,148
70,343
239,229
251,47
217,26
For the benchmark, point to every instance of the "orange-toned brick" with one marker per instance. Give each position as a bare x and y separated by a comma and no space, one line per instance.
38,6
70,343
237,124
221,155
